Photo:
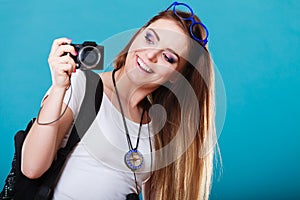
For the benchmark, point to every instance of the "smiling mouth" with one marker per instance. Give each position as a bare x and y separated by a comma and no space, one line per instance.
143,65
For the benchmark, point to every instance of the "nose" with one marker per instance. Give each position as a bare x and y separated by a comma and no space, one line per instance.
152,54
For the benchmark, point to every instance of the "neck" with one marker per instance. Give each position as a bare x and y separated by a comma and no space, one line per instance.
130,94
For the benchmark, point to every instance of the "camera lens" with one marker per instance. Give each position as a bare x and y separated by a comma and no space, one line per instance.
89,56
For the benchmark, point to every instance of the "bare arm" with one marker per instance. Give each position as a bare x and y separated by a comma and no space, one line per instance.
42,142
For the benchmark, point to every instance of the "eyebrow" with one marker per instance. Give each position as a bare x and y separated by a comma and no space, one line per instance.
157,37
154,32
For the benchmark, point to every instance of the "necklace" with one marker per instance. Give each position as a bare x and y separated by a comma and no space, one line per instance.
133,158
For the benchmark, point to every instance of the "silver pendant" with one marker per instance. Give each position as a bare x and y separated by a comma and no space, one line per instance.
134,159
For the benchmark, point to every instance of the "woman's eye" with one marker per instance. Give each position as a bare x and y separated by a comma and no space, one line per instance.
149,38
169,59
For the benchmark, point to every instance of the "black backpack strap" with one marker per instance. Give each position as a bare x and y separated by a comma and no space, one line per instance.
93,96
89,108
87,113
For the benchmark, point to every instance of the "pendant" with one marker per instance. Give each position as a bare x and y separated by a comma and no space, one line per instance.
134,159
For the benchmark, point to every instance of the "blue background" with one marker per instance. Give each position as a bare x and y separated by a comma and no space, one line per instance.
254,43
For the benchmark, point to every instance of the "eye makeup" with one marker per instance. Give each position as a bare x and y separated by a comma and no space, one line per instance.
169,57
149,38
152,37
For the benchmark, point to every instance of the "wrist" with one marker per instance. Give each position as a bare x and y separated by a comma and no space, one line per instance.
59,88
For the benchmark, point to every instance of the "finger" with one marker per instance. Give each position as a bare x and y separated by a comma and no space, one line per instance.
66,59
61,59
72,62
55,62
59,65
58,42
66,68
62,49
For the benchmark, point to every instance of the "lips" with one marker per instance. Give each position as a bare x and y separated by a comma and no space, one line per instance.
143,66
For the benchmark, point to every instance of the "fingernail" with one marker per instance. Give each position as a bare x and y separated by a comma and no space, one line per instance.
76,53
74,70
70,40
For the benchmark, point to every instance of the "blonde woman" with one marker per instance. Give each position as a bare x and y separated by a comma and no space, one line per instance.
166,150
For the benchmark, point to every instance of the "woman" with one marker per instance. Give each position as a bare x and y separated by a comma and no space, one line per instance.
166,63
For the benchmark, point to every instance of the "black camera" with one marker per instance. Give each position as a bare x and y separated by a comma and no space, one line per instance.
89,56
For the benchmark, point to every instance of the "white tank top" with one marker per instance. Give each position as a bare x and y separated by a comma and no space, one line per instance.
95,169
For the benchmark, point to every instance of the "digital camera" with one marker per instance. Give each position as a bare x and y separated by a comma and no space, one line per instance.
89,56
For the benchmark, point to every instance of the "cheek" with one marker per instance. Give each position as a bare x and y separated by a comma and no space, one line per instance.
167,72
138,43
129,58
171,72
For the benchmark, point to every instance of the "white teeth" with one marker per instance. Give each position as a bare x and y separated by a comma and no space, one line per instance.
143,65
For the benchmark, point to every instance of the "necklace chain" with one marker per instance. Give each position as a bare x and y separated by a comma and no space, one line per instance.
133,153
123,117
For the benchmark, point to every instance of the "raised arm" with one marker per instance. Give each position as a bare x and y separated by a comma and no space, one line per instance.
43,141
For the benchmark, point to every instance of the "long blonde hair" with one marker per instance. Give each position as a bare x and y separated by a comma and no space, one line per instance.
189,120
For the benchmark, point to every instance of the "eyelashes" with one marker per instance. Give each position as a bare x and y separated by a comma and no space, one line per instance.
149,38
167,56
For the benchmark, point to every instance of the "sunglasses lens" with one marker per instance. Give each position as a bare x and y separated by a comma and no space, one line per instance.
188,12
199,30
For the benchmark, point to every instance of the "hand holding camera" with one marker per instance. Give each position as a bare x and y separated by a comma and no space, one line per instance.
65,58
90,56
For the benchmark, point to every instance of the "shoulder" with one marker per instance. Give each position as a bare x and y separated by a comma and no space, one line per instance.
75,94
107,83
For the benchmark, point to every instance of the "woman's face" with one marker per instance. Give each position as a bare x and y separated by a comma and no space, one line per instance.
154,56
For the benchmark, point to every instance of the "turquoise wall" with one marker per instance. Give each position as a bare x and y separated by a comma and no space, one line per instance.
255,45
